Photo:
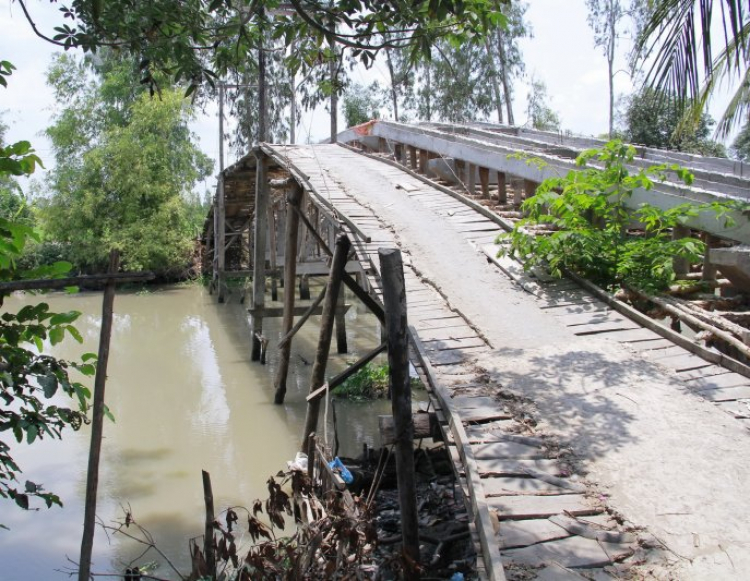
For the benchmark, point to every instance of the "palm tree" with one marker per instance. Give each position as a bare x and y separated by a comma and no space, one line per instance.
691,46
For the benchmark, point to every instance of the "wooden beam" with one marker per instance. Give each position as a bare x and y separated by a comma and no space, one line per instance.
425,426
60,283
363,296
311,310
259,255
276,312
352,369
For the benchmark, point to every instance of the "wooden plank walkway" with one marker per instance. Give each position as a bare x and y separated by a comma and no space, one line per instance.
517,490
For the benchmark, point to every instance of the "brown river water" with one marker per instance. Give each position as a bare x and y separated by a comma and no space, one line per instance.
185,397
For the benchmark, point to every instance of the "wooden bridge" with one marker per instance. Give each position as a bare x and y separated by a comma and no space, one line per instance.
443,194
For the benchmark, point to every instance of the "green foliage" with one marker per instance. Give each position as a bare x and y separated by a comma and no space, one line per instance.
126,166
370,382
27,376
741,145
361,104
657,119
540,114
587,210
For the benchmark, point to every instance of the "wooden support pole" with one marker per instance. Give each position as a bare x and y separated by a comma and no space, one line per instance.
529,190
680,264
272,226
471,178
460,166
412,156
290,273
398,152
341,346
317,378
352,369
484,180
709,270
502,192
423,161
221,241
394,297
259,254
304,287
208,531
97,422
362,295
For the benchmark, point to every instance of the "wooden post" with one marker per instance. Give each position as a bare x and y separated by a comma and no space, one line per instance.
529,189
208,531
290,273
502,192
97,422
484,180
259,254
680,264
304,288
399,152
412,156
340,317
471,178
394,298
317,378
272,225
423,161
221,241
709,270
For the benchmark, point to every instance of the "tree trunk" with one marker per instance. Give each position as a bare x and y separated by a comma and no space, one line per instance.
495,81
506,79
394,93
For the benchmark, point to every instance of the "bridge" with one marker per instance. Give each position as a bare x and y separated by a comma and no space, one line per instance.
515,363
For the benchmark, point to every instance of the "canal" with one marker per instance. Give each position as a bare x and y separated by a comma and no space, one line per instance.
186,398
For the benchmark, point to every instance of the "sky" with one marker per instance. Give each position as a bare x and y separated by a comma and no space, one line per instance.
561,53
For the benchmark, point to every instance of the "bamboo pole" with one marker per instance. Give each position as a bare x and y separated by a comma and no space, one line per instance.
317,379
290,273
340,317
97,422
394,297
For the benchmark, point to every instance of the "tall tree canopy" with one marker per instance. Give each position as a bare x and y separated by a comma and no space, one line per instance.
126,163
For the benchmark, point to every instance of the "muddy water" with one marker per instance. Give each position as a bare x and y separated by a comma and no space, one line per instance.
185,398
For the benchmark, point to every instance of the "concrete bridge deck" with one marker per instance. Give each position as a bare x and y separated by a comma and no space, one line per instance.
517,374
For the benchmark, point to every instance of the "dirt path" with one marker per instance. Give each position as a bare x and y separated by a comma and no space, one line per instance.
668,460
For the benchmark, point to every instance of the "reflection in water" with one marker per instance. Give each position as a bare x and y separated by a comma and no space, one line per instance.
186,398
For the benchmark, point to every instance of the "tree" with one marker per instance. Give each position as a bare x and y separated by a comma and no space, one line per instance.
655,119
361,104
741,145
506,61
688,61
540,114
28,378
458,88
13,204
124,168
604,18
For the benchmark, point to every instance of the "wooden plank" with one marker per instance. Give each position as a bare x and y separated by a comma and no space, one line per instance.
654,345
578,309
740,410
449,322
471,409
597,318
454,356
522,533
503,467
635,335
673,351
726,393
445,333
523,507
718,381
705,372
505,449
446,344
556,572
606,327
512,486
684,362
576,552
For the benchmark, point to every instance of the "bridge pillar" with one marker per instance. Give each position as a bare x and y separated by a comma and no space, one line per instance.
502,192
471,179
341,345
423,161
484,180
412,156
709,269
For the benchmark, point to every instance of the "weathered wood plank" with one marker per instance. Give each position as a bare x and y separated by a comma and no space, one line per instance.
503,467
576,552
454,356
605,327
522,533
506,449
718,381
513,486
472,409
446,344
653,345
635,335
726,393
462,332
684,362
523,507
